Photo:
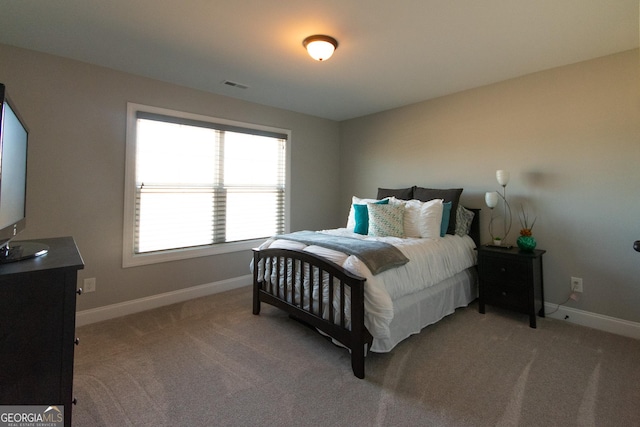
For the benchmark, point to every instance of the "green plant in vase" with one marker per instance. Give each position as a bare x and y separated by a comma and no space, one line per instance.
526,241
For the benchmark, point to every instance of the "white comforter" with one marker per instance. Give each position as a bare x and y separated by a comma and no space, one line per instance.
431,261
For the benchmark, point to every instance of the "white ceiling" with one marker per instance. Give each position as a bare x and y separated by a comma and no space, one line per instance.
391,53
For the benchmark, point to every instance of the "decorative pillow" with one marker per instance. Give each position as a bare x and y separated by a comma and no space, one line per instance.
362,216
351,220
463,220
386,220
446,215
450,195
400,193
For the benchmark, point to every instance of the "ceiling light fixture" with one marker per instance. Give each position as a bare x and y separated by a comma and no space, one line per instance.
320,47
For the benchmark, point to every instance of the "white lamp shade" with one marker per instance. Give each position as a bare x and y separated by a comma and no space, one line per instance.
503,177
320,50
491,199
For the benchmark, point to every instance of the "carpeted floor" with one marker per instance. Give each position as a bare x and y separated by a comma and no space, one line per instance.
210,362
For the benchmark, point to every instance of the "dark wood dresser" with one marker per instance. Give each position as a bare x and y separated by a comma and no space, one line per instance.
37,327
511,279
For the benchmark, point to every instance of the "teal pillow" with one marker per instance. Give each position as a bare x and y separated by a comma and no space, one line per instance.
446,212
361,213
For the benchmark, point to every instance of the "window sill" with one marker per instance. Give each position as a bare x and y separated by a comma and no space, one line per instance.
130,259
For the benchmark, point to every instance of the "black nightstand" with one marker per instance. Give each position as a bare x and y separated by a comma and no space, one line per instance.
512,279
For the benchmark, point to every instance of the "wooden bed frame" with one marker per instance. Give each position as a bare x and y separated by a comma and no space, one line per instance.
311,267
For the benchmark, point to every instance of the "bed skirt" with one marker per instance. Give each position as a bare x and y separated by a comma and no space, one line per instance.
413,312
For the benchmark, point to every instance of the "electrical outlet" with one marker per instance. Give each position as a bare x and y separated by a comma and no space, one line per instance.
576,284
89,285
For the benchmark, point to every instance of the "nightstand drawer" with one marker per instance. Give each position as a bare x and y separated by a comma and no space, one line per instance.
514,298
499,270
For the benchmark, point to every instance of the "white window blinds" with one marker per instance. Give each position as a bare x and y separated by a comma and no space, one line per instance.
202,183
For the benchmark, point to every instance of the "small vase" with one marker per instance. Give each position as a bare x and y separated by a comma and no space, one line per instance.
526,243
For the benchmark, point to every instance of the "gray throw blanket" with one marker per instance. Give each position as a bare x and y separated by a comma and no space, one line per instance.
378,256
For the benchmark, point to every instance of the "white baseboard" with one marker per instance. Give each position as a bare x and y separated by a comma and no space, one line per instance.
580,317
594,320
99,314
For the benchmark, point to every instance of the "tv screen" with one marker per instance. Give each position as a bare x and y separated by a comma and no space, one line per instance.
13,170
13,179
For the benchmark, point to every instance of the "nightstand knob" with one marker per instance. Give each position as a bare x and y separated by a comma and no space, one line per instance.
503,270
75,401
504,293
76,341
79,291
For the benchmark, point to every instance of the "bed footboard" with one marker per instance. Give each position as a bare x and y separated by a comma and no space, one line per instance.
317,292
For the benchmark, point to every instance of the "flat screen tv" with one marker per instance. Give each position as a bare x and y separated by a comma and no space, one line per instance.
13,183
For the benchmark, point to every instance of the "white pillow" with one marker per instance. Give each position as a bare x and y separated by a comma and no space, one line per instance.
386,220
430,219
351,220
412,217
421,219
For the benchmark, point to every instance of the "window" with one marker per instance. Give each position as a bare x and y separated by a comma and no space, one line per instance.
198,186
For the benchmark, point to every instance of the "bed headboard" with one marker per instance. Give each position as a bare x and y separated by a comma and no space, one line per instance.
474,232
425,194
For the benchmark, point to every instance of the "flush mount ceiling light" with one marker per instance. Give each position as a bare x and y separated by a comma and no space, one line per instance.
320,47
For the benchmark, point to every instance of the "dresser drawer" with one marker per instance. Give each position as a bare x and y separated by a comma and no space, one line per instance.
505,271
514,298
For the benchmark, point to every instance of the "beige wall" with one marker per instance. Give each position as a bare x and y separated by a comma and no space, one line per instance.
571,140
570,137
76,114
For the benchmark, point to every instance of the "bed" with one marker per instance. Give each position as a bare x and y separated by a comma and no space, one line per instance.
404,261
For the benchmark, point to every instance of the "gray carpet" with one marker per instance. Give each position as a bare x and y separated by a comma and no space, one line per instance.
210,362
